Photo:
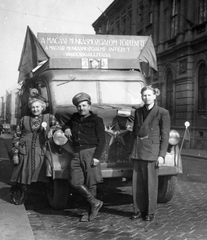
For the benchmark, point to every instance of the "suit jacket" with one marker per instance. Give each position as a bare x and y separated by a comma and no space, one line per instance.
150,135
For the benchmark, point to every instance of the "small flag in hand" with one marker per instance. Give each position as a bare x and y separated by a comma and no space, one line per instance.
187,132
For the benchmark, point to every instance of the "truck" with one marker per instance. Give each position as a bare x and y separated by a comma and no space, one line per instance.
57,66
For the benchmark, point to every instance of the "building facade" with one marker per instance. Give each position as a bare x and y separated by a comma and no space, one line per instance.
179,32
2,110
12,104
9,105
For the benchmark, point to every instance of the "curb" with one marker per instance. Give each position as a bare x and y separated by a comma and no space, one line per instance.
194,153
14,222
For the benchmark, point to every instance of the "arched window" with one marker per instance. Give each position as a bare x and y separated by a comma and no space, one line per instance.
202,87
169,92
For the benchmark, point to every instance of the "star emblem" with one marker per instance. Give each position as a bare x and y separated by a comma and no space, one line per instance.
116,135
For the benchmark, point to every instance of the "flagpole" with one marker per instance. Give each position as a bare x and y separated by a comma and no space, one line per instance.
187,124
183,140
179,163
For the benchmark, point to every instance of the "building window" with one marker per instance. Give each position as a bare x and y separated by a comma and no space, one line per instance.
169,92
123,25
150,9
99,30
117,27
108,25
141,14
202,11
129,22
112,27
174,18
150,18
202,87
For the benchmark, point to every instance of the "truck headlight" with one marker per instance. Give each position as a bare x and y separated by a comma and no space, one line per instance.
174,137
59,138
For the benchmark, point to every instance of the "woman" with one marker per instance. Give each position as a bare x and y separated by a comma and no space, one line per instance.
29,143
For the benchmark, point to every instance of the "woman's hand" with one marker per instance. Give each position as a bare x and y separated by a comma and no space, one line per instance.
50,133
68,133
15,159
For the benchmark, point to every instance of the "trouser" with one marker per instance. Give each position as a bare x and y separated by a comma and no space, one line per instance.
81,171
145,186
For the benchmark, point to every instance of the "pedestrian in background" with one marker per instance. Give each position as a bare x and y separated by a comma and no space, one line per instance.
87,133
29,143
151,134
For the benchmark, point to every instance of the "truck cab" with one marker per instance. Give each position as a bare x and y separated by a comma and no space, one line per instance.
114,83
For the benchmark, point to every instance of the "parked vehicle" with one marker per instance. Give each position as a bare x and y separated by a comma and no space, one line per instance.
6,128
107,68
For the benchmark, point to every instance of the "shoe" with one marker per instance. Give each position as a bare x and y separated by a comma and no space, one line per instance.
85,217
14,191
136,216
149,217
18,194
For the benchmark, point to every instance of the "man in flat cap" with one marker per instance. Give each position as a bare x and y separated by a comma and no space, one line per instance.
87,133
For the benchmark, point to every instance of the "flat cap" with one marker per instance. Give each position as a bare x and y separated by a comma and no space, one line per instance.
80,97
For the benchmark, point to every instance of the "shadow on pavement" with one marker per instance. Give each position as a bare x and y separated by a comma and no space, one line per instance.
37,201
5,194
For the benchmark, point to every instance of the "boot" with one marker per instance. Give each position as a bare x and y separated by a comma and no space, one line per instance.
85,216
94,203
23,194
14,192
95,207
93,190
18,194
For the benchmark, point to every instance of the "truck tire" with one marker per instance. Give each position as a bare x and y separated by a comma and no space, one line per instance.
57,193
166,188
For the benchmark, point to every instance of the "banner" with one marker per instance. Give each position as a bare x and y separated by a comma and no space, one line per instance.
32,55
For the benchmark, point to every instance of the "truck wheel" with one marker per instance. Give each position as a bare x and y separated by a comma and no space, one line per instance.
57,193
166,188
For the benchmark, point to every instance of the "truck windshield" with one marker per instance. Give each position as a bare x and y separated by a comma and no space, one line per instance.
101,92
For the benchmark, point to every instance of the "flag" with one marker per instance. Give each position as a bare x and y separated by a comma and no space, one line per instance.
187,134
32,54
148,54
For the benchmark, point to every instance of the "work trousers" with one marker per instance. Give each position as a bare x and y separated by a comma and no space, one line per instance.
145,186
81,171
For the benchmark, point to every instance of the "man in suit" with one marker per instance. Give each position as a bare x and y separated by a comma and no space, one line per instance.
151,134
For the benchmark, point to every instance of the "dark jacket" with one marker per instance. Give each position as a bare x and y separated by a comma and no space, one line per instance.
151,135
87,132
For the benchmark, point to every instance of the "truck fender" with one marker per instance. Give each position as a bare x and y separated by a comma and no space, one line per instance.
57,162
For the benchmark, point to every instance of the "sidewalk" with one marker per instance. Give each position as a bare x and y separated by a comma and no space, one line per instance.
14,223
194,153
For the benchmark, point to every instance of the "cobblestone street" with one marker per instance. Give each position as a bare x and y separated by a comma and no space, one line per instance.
184,217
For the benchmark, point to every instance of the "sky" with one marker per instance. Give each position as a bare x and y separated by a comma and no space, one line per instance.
49,16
